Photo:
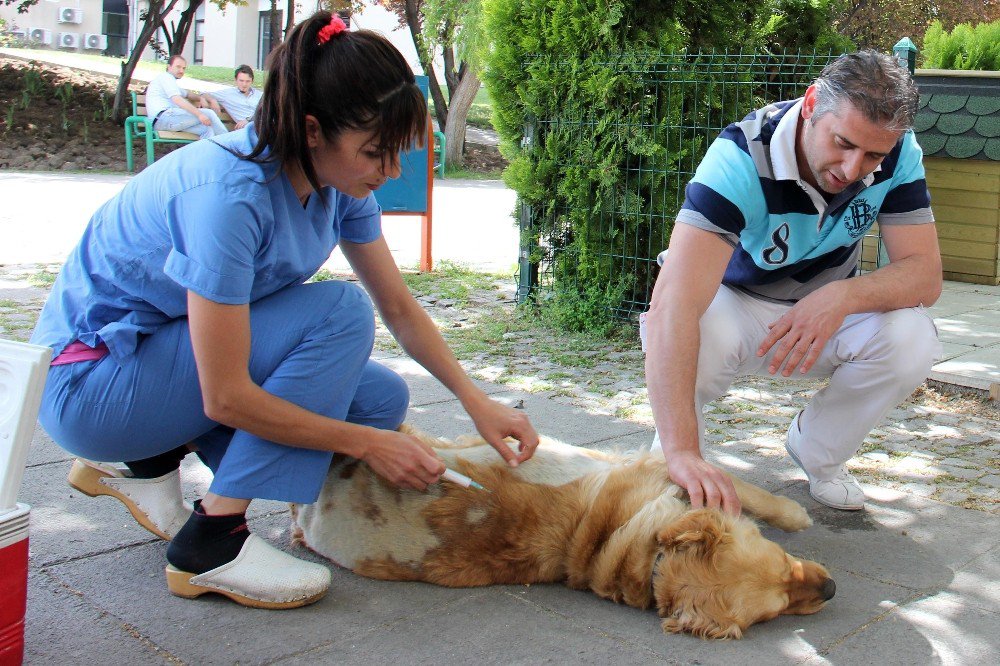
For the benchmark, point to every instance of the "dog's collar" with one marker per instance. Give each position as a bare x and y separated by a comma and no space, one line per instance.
654,574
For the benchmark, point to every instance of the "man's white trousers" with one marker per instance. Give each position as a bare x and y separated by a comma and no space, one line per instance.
874,361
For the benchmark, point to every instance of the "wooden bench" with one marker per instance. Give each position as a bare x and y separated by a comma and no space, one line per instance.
140,126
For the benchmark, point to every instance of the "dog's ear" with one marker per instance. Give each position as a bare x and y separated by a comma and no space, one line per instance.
700,625
703,529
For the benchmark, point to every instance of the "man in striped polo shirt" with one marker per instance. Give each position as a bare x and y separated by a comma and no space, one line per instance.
762,276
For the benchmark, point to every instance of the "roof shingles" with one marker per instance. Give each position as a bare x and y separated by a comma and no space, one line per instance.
959,117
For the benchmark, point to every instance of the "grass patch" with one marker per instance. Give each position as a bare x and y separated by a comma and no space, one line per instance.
481,111
451,281
465,174
6,303
42,279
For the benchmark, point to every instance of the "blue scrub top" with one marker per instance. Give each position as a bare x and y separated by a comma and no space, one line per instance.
199,219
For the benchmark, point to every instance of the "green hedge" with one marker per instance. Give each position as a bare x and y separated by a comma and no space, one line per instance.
595,174
965,47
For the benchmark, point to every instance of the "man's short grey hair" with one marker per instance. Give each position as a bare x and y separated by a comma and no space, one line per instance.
874,83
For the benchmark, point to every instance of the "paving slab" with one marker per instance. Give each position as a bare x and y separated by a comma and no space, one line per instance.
976,583
424,388
900,539
936,630
64,627
573,425
979,364
488,628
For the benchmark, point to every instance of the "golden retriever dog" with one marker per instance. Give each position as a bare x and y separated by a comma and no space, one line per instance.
611,524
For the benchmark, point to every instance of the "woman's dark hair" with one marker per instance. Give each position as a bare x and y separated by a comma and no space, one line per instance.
354,81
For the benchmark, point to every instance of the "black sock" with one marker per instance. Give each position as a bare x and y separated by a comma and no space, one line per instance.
151,468
206,542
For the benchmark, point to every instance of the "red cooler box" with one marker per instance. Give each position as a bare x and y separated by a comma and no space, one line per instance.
13,583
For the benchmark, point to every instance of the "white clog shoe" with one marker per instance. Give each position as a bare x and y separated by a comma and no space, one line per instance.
261,576
156,504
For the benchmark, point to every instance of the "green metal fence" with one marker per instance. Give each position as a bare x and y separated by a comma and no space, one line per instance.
685,101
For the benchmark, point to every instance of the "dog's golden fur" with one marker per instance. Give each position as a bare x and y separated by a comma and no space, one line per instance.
616,526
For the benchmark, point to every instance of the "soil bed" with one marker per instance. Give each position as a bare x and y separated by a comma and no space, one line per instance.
55,118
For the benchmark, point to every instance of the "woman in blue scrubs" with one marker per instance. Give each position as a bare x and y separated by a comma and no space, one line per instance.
182,322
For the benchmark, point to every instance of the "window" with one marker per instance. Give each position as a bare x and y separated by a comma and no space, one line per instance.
199,41
264,41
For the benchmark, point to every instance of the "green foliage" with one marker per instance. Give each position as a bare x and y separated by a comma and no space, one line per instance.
64,94
965,47
33,86
595,120
787,23
590,309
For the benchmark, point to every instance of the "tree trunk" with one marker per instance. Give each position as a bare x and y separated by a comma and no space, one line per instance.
289,19
177,40
440,106
458,113
275,26
451,74
152,21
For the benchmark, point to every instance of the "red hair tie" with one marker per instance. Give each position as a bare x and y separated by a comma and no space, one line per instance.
334,28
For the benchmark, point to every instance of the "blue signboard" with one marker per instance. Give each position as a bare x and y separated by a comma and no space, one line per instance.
408,193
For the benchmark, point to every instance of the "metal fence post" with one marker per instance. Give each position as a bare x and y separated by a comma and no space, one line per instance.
527,270
906,53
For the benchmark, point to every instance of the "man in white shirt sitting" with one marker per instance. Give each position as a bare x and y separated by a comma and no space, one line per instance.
174,109
240,101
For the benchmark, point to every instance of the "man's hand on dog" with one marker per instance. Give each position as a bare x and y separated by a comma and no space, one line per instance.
496,422
403,460
706,485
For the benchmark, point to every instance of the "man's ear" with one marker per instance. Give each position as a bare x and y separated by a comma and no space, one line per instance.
809,102
313,131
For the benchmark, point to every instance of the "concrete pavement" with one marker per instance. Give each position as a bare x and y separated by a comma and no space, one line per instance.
44,214
916,583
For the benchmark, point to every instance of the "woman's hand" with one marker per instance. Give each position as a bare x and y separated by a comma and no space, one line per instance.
402,460
495,422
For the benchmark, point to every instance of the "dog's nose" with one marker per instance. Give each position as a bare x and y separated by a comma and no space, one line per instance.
829,589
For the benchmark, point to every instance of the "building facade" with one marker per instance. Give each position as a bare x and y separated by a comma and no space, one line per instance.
226,37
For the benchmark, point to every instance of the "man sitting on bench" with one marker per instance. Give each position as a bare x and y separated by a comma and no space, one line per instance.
173,109
241,100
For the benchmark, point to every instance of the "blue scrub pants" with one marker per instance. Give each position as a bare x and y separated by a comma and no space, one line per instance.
310,345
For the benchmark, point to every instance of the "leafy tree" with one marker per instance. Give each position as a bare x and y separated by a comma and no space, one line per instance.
152,20
451,26
177,34
880,24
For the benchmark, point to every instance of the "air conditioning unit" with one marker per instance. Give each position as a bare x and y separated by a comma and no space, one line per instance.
94,40
70,15
40,35
19,34
69,40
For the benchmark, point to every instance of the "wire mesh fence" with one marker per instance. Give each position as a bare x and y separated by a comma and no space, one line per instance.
683,102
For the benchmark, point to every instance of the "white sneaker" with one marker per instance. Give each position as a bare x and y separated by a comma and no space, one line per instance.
156,504
841,492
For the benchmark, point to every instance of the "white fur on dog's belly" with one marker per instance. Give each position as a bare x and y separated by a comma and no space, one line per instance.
337,526
553,464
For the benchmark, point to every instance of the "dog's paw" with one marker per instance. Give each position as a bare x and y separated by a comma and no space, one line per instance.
789,515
